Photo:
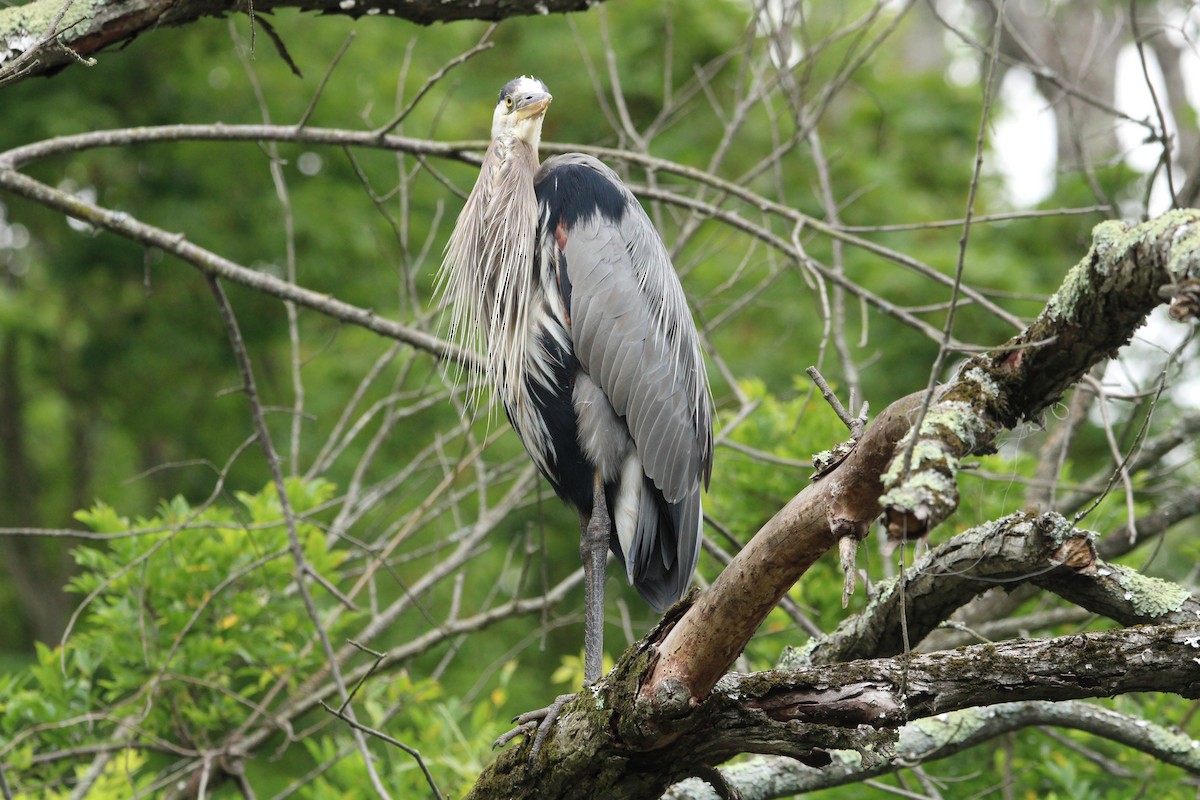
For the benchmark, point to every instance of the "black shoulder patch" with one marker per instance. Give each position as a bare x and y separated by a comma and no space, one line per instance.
571,192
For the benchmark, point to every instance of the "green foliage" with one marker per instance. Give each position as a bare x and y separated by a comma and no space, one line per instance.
190,627
187,633
119,778
182,631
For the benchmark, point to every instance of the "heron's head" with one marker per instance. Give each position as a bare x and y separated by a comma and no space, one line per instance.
520,110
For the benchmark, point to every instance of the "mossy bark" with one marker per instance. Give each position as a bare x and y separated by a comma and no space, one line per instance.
1104,299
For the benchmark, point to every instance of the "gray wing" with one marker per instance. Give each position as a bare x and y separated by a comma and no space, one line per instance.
633,334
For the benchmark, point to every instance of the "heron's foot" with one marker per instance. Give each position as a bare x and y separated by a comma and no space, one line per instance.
537,722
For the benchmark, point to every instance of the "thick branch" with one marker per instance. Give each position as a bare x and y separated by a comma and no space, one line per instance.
28,33
1160,658
1044,550
857,705
713,632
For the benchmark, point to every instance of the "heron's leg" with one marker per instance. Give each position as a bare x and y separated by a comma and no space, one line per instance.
594,533
593,547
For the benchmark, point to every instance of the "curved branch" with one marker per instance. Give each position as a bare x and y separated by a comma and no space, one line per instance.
943,736
1044,550
216,266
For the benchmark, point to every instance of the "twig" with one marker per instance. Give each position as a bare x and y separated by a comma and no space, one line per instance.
854,425
1161,134
412,751
358,684
337,57
947,330
482,45
1122,462
302,567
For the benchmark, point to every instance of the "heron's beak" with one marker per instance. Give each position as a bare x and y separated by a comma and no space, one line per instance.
533,104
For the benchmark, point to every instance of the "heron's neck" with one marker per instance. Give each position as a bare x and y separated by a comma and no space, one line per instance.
511,144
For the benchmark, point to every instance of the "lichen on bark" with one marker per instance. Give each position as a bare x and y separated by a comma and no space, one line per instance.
1103,299
22,27
1149,596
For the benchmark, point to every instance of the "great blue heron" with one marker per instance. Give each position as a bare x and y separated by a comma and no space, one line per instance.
558,277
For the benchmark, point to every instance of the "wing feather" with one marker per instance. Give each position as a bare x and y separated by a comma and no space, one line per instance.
633,335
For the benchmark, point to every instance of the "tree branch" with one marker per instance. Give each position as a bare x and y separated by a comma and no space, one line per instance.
945,735
28,32
860,705
216,266
1044,550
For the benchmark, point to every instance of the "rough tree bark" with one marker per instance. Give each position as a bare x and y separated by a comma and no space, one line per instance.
661,715
45,36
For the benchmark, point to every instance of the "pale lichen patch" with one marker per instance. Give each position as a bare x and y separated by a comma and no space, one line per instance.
1184,261
1171,741
955,416
933,462
22,27
1149,596
922,491
986,384
1107,237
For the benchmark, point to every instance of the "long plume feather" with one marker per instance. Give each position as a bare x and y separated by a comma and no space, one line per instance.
487,271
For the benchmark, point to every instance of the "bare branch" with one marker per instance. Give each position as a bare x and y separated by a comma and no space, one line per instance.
303,570
216,266
945,735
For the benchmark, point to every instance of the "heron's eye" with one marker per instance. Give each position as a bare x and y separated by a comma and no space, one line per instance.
508,102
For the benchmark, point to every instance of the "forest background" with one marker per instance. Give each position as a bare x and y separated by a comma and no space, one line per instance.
896,160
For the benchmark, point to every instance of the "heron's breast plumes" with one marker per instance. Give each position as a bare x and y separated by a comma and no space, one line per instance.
487,273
